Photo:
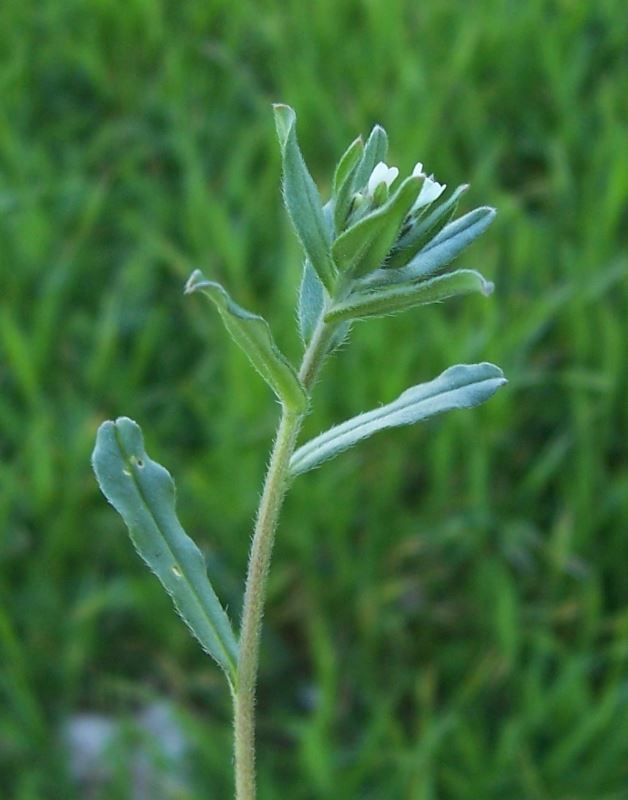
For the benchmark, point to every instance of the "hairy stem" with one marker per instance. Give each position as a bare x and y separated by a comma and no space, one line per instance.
275,488
253,610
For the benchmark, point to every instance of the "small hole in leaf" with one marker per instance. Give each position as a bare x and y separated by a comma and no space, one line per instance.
140,463
176,571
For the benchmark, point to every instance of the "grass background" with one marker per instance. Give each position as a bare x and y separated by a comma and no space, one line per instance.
448,604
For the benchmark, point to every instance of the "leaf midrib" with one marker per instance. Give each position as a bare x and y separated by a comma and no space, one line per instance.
370,416
228,659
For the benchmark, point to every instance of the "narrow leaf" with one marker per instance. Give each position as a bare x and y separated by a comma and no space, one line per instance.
375,150
364,246
447,244
311,305
424,228
389,300
143,493
302,199
342,188
462,386
347,163
252,333
311,301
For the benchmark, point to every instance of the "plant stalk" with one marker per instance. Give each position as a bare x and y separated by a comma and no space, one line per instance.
275,486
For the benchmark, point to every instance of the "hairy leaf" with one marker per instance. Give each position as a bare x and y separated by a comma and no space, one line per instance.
375,150
462,386
302,199
143,493
311,301
442,249
342,187
423,228
392,299
252,333
347,163
364,246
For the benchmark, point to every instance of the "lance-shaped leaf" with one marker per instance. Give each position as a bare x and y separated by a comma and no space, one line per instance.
311,306
342,187
143,493
426,226
438,253
463,386
364,246
254,336
347,163
311,301
302,199
390,300
375,150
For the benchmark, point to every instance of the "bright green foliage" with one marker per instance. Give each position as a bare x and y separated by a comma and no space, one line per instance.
253,335
454,618
143,493
463,386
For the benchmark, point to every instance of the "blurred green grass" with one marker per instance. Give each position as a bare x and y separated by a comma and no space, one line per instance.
448,605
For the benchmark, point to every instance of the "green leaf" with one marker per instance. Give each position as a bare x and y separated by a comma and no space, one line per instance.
143,493
423,228
389,300
462,386
364,246
311,305
442,249
311,301
343,185
347,163
302,199
252,333
375,150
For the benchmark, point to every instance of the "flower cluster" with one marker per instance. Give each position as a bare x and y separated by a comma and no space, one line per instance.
384,175
380,244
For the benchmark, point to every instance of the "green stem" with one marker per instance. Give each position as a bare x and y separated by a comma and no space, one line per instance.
315,353
274,492
253,609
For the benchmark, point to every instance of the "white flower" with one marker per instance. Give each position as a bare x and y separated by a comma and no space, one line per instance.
431,189
381,174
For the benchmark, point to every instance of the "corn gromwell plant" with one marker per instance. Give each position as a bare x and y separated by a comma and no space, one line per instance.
378,246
